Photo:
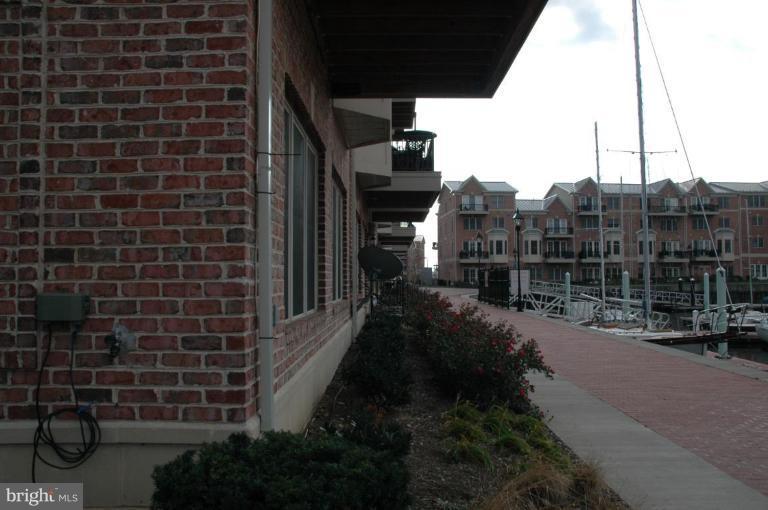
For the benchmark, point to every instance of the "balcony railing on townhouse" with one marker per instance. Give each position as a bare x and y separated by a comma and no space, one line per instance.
473,208
703,254
470,255
558,231
667,209
588,209
559,255
413,151
592,254
703,208
674,254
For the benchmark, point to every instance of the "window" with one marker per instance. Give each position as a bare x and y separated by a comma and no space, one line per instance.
612,223
757,242
301,226
759,271
590,248
613,247
535,247
669,224
671,272
501,247
470,275
531,222
724,246
472,247
699,223
498,221
613,273
497,201
473,222
671,203
756,201
757,220
589,222
557,225
558,274
724,222
640,251
590,273
338,241
670,247
722,202
613,203
701,245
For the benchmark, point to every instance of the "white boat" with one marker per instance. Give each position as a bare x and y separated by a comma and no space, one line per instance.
762,330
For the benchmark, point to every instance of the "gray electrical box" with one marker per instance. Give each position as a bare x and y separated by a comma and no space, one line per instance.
59,307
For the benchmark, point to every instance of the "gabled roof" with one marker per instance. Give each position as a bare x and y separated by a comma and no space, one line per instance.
535,205
566,186
740,187
488,186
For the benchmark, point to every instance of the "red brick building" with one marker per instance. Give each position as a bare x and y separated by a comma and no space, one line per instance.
561,231
205,172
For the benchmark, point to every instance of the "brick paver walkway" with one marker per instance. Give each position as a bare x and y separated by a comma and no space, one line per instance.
718,415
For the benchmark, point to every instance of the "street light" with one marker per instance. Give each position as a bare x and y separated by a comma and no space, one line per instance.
518,218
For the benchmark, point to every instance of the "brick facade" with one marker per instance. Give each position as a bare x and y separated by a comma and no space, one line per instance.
128,174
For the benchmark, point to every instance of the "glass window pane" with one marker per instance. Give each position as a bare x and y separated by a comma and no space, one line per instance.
311,228
298,220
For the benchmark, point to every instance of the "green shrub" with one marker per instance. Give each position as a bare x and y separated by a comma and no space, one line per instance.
373,430
465,450
281,471
481,361
378,370
513,443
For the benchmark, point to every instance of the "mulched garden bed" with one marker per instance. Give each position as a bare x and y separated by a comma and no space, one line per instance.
436,482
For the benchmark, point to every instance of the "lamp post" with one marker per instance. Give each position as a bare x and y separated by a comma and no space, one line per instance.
518,222
479,248
693,292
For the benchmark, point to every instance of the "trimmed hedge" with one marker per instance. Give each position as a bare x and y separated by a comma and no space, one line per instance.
378,369
282,471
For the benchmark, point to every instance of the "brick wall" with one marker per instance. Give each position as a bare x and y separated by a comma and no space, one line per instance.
127,174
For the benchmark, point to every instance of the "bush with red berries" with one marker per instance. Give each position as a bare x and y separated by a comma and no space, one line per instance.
472,357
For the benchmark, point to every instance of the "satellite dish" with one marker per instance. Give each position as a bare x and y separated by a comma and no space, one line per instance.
379,264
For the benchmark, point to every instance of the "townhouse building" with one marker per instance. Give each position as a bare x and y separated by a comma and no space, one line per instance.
692,225
475,228
415,261
205,173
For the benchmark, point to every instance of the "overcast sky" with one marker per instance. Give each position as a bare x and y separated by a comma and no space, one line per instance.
577,67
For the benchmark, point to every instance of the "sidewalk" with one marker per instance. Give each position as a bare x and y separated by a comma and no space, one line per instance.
671,429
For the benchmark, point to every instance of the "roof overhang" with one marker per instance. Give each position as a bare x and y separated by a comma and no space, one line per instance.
428,48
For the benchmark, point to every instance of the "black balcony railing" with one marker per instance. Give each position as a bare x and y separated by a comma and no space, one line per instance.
554,231
473,207
469,255
703,208
662,209
703,254
563,254
674,254
588,208
592,254
413,150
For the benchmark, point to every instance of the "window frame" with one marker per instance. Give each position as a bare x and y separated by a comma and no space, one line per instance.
310,197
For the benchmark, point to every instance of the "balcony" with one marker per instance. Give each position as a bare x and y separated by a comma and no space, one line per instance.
703,254
674,255
473,209
555,257
468,257
414,185
667,210
591,256
588,209
703,209
558,231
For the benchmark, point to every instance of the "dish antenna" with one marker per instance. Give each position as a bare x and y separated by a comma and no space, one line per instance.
379,264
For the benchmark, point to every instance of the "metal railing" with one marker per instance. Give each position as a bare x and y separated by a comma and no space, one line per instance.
554,231
564,254
473,207
493,287
661,209
674,254
413,151
703,208
588,208
657,296
473,255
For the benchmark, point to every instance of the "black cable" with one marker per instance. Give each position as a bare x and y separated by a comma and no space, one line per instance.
90,433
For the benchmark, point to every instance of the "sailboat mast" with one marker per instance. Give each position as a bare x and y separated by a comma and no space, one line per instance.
749,253
643,190
600,226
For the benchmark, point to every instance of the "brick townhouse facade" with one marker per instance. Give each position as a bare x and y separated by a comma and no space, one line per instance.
561,234
151,150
